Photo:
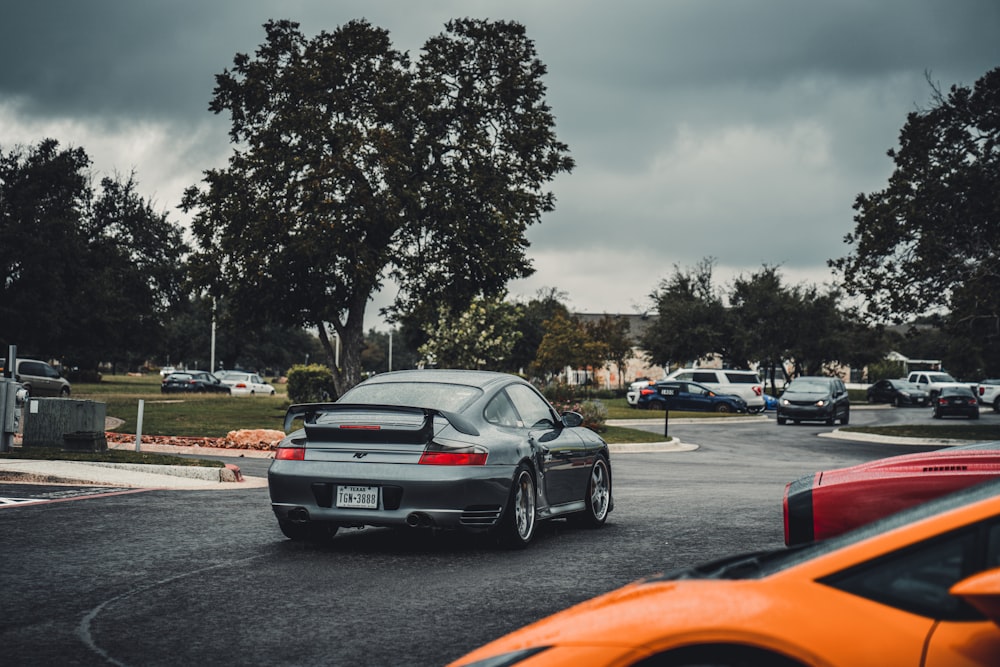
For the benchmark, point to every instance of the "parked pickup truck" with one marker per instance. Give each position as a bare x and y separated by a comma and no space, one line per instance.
934,381
989,394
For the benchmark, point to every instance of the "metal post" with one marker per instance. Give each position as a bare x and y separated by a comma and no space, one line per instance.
138,427
666,423
211,363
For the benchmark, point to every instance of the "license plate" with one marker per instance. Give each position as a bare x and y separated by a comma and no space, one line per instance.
365,497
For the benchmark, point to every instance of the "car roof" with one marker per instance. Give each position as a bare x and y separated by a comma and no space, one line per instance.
472,378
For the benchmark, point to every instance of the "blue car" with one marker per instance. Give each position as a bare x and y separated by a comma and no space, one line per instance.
687,397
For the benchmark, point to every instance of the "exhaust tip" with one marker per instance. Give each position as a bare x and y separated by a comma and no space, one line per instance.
298,515
419,520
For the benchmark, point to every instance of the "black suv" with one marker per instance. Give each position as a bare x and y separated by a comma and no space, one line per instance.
814,398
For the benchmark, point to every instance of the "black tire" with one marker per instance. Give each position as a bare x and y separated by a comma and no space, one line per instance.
597,497
974,415
830,421
655,405
722,407
936,415
781,421
897,402
846,418
996,405
64,392
309,531
517,526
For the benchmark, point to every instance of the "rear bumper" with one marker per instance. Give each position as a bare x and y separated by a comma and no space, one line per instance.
454,497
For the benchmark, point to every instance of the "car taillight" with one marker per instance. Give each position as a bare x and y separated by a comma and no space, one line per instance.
757,390
290,453
646,392
241,385
457,457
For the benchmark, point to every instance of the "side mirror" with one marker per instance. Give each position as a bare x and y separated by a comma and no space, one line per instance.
572,419
982,591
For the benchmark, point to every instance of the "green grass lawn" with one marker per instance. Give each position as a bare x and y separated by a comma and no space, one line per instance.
206,415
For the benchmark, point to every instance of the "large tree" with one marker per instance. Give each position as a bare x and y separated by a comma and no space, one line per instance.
692,321
930,241
352,166
85,276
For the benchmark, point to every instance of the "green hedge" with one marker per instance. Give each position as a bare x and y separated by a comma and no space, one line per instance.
311,384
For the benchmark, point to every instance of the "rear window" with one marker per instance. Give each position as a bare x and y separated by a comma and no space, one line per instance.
743,378
439,396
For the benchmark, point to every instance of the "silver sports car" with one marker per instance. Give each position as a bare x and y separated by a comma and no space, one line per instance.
471,450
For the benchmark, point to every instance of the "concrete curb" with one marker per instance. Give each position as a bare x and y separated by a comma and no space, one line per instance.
126,475
674,445
892,440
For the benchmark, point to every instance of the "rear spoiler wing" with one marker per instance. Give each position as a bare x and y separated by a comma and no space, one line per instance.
308,412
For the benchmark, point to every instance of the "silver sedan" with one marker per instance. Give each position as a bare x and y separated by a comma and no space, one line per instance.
470,450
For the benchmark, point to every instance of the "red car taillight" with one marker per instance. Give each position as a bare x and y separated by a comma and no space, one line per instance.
290,453
646,392
241,385
458,457
757,390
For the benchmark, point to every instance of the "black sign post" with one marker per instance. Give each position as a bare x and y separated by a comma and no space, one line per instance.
668,392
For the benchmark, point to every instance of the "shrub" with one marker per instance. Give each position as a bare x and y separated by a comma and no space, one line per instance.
310,384
81,375
595,413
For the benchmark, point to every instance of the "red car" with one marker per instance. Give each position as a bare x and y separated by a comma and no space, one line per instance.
831,502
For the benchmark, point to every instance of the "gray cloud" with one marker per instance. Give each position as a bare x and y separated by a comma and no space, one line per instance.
736,130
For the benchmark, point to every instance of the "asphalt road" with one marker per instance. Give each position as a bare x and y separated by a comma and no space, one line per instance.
196,577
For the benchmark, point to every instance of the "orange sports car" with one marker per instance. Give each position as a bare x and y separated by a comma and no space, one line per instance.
920,587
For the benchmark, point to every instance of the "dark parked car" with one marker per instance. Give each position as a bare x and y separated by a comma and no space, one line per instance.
193,382
898,392
688,397
956,401
39,378
814,398
471,450
832,502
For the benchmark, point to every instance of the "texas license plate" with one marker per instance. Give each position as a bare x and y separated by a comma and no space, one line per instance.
365,497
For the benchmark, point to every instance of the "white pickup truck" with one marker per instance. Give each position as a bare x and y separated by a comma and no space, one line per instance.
934,381
989,394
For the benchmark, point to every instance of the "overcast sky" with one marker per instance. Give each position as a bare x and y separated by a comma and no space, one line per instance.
700,128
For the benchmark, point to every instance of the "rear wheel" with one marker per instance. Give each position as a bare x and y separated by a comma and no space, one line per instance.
722,407
598,496
310,531
517,527
781,421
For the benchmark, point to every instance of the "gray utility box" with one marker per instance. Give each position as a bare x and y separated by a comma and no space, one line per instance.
65,423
